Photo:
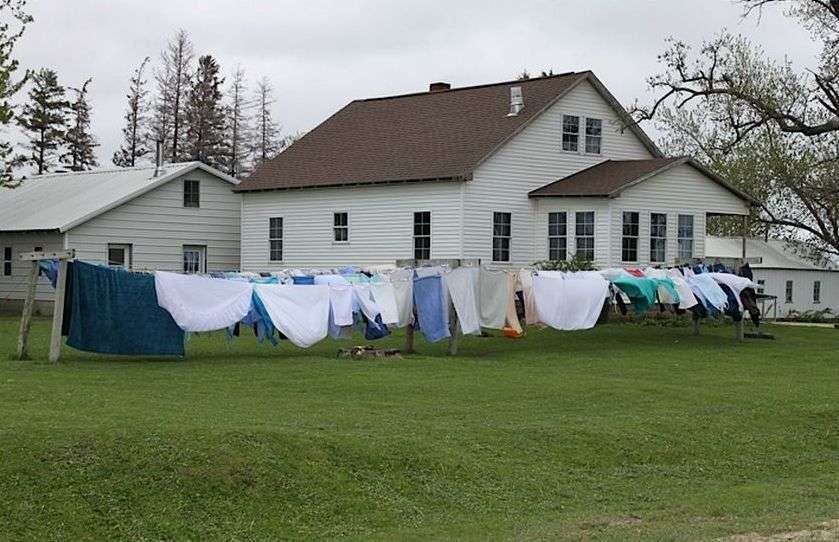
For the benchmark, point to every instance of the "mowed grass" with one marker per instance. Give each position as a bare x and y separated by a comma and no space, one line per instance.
622,432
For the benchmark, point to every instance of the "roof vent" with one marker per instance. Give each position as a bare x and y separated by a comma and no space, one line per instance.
516,101
439,87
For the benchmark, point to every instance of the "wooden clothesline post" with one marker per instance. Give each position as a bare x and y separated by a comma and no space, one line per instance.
29,302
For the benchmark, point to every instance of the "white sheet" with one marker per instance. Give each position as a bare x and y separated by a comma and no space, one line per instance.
300,312
493,299
462,284
512,316
403,289
341,297
531,315
570,304
385,297
199,303
364,298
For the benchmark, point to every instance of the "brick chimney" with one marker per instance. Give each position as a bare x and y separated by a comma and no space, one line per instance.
439,87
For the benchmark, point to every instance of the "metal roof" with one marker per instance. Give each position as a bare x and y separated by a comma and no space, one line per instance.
61,201
775,253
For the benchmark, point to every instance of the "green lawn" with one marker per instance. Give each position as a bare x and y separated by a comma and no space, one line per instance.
623,432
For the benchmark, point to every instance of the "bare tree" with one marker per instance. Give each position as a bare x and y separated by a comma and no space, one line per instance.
266,135
133,146
78,139
238,111
173,84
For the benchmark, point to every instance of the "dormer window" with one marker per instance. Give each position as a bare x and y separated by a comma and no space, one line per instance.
570,133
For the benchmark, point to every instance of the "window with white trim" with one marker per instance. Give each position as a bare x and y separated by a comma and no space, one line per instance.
761,286
192,193
7,261
584,235
275,238
817,291
341,227
501,237
788,292
629,240
685,237
195,258
119,255
422,235
658,237
570,133
594,133
558,236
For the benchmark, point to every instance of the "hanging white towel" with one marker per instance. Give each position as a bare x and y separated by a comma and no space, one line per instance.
300,312
494,298
462,284
735,282
512,313
403,289
385,297
531,316
569,304
199,303
341,299
686,297
365,301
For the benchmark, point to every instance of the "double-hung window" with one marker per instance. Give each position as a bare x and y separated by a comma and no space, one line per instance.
192,193
629,241
570,133
422,235
501,237
584,235
275,239
817,291
761,286
341,227
788,292
7,261
594,132
685,237
658,237
195,258
558,236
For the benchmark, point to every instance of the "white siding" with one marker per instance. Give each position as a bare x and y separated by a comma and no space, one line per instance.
14,287
530,160
380,224
802,288
157,225
600,206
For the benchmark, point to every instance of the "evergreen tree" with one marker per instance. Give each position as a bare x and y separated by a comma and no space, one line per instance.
205,116
43,119
266,135
79,140
238,124
173,85
133,146
11,29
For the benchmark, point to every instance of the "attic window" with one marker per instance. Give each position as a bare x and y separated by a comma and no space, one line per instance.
7,261
570,133
594,130
192,193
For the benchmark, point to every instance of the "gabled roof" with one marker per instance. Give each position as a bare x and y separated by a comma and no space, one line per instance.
62,201
610,177
775,253
441,135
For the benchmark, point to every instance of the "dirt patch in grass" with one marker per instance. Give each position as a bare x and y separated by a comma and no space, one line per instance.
827,531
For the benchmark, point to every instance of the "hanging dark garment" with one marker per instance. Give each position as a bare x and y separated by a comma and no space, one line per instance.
749,299
113,311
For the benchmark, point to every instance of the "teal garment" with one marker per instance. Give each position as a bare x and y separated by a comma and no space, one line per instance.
641,291
668,285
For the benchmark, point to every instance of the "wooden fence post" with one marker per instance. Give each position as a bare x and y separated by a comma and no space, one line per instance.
26,316
58,311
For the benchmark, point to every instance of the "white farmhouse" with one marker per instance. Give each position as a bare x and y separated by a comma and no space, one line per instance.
182,217
508,173
799,285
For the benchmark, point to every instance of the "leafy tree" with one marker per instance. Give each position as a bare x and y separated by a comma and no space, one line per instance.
43,119
771,129
79,140
11,29
133,146
266,135
205,115
238,123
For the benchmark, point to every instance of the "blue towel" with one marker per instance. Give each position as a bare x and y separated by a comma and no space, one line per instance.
113,311
375,329
432,314
304,279
49,269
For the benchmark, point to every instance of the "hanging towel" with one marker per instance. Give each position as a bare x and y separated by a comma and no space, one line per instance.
403,289
736,283
432,314
494,298
641,291
686,297
710,290
667,292
299,312
303,280
733,306
364,298
569,304
512,316
114,311
202,303
462,284
531,315
385,297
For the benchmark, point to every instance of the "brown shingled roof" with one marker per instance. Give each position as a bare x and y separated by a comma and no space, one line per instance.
423,136
605,178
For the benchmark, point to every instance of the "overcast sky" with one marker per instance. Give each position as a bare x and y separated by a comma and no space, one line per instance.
321,54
